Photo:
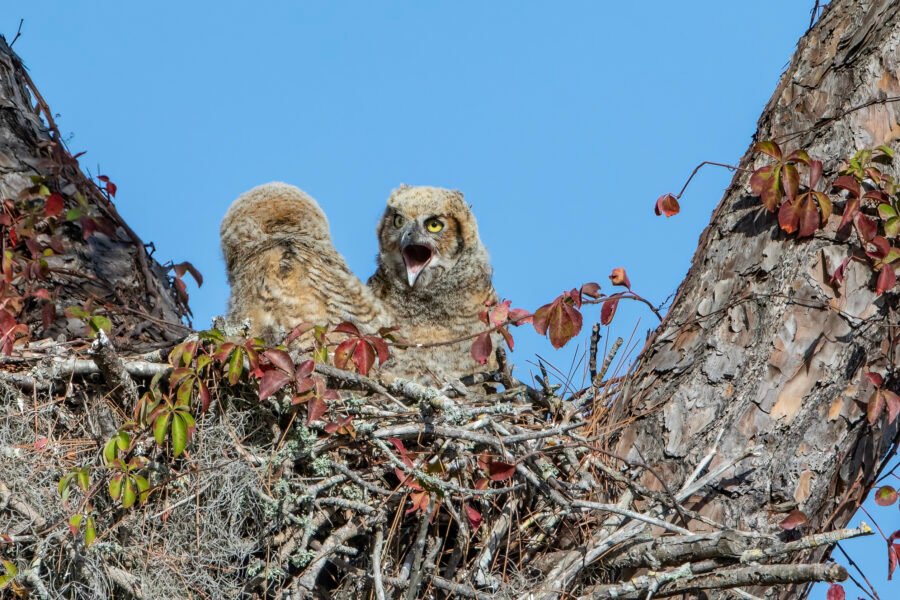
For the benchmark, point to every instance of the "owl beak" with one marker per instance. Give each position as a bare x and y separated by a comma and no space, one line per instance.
416,257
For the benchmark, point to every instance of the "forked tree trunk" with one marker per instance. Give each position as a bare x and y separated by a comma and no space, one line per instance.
759,350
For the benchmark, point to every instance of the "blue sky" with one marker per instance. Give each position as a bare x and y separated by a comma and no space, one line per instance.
561,125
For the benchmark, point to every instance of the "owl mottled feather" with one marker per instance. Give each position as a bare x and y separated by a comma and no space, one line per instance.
434,278
283,267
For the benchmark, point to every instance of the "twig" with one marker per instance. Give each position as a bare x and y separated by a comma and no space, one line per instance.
113,369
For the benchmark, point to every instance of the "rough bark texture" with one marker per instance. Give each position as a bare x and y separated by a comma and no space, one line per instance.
113,271
758,347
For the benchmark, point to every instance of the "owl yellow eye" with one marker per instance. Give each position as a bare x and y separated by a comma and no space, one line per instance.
398,221
433,225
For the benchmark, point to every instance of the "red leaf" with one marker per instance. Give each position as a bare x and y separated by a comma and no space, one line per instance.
474,516
381,348
667,204
315,409
893,558
791,181
420,501
348,328
103,178
398,444
591,290
297,332
204,397
344,352
40,443
559,319
304,369
876,379
508,338
815,173
500,471
482,347
875,407
848,183
866,227
796,518
619,277
54,205
608,311
280,359
838,276
519,316
887,279
111,188
809,217
789,217
835,592
272,381
363,357
885,496
498,314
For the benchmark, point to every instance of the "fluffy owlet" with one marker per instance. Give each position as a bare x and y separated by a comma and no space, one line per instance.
434,278
283,267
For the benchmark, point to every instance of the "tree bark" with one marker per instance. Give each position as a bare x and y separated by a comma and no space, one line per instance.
110,270
758,349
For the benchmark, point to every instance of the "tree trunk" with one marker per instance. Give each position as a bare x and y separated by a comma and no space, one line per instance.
759,350
109,273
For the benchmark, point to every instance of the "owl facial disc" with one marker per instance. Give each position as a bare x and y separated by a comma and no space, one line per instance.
416,257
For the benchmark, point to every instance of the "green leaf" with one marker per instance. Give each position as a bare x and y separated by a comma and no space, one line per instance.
128,493
886,149
76,312
73,214
63,486
892,227
143,487
98,322
886,211
11,571
235,366
123,440
892,256
84,478
160,427
203,361
179,434
183,395
109,449
212,335
115,487
75,523
90,531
